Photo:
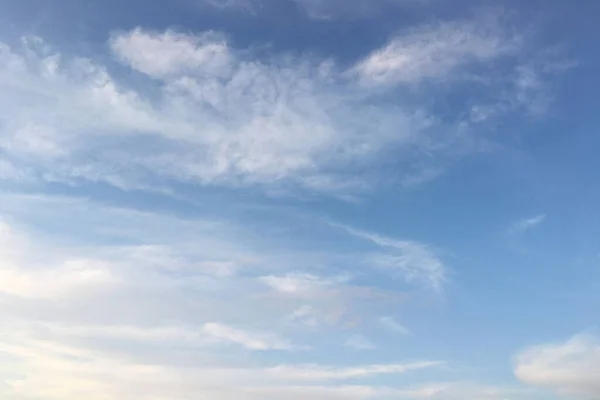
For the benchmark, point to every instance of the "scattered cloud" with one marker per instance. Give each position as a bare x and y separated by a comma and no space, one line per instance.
527,224
109,303
165,316
214,114
571,368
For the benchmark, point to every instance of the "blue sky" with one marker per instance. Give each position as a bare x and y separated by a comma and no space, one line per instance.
291,199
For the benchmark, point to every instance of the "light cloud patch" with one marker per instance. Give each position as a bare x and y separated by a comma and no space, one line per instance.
302,283
249,340
571,368
416,262
527,224
394,326
435,52
171,54
26,277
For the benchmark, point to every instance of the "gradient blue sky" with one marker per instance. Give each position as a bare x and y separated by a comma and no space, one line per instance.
299,199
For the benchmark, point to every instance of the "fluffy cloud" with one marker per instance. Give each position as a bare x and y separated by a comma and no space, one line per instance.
571,368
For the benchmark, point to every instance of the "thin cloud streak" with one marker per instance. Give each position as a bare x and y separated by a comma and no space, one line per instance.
527,224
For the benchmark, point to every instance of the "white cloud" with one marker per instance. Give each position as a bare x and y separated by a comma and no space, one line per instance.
74,276
297,283
170,327
391,324
63,370
214,114
168,54
21,276
249,340
571,368
318,373
306,316
219,116
416,262
436,51
527,223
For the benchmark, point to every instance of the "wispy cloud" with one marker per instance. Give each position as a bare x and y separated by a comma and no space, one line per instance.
316,373
249,340
415,261
301,283
391,324
527,224
436,51
221,115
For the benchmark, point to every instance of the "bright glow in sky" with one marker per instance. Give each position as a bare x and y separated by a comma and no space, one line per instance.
299,199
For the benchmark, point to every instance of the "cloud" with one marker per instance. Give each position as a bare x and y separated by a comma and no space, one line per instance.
63,370
169,54
435,52
23,277
219,117
571,368
416,262
167,324
391,324
305,316
209,113
527,224
318,373
301,283
251,341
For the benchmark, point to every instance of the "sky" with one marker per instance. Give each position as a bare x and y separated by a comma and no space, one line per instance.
299,199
